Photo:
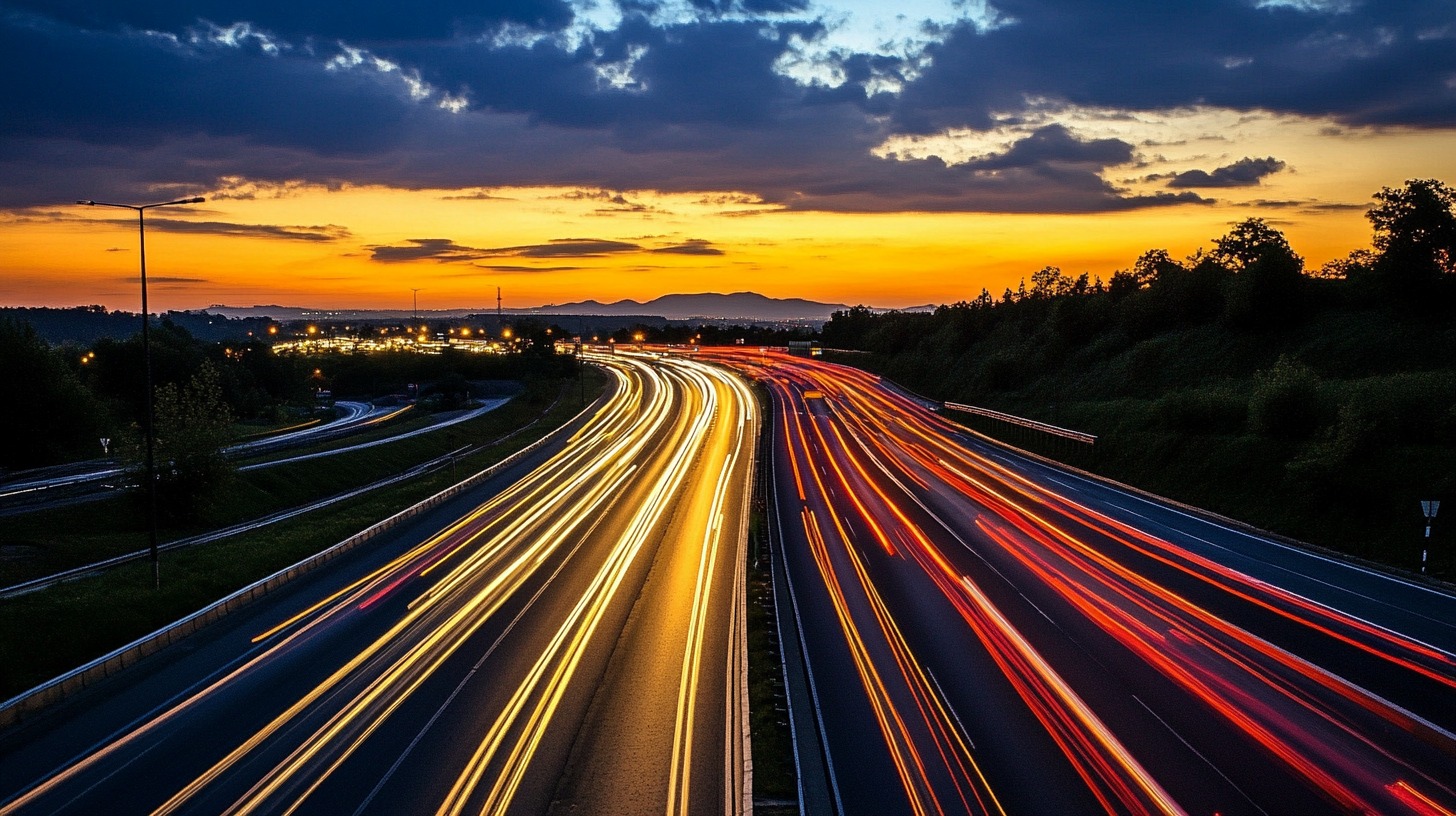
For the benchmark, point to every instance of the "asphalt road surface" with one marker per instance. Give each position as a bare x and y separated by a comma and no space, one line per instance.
569,640
978,632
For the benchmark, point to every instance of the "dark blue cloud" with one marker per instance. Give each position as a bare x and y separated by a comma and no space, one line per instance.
692,246
445,250
143,90
1246,172
358,21
112,101
1386,62
1055,143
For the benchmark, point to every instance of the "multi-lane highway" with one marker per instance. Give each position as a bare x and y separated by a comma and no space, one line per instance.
965,630
48,488
970,631
571,644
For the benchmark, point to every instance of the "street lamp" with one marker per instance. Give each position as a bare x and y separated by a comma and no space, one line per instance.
151,435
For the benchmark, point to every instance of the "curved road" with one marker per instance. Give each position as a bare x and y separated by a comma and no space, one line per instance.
571,644
983,633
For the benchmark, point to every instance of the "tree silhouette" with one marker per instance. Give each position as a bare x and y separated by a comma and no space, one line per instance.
1250,241
1265,291
1415,236
49,416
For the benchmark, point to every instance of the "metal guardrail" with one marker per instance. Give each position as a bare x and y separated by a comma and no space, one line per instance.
1065,433
17,708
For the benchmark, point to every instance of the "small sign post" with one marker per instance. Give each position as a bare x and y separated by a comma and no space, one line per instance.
1429,508
105,446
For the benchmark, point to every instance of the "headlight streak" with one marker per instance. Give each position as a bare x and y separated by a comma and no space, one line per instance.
738,793
441,639
682,742
490,553
1307,718
546,682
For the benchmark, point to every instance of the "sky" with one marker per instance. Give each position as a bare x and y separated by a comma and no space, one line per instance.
890,154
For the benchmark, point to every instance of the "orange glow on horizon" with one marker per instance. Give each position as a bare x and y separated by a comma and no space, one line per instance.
304,246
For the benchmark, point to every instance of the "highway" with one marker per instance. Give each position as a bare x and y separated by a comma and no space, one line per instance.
80,482
570,642
968,630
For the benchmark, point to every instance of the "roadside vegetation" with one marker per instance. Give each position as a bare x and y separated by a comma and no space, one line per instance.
46,542
1320,404
775,780
46,633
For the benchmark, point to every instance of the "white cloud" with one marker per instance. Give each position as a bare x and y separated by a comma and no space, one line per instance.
1326,6
619,75
350,58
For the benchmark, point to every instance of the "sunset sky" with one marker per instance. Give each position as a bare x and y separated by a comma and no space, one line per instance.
892,154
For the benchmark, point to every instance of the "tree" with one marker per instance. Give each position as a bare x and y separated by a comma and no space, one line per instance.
1049,282
1415,236
193,423
1268,280
1357,263
48,416
1250,241
1285,401
848,329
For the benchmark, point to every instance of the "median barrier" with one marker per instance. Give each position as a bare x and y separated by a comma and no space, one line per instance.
26,704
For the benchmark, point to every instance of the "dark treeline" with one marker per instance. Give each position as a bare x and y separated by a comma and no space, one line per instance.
1319,402
70,396
88,324
65,398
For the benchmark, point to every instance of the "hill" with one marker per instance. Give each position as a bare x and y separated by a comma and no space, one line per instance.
749,306
1321,407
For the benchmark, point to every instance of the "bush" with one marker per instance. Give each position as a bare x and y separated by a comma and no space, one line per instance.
1203,410
1285,401
1414,407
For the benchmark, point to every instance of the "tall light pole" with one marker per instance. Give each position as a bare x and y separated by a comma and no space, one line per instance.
415,315
151,435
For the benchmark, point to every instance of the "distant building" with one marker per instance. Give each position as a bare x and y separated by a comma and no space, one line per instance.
805,348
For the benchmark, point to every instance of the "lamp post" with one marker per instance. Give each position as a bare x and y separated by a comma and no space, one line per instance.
151,436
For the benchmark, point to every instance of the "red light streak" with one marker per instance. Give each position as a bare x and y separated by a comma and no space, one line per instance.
1309,720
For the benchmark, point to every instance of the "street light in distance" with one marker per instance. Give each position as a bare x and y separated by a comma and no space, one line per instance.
151,436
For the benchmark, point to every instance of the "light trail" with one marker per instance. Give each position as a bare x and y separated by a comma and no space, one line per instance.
668,431
867,459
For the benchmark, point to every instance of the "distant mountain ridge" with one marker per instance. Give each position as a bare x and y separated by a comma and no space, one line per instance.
747,305
706,305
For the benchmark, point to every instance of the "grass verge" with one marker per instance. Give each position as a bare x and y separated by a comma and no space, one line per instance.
775,781
47,633
47,542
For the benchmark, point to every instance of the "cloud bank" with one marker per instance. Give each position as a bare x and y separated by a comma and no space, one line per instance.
767,99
